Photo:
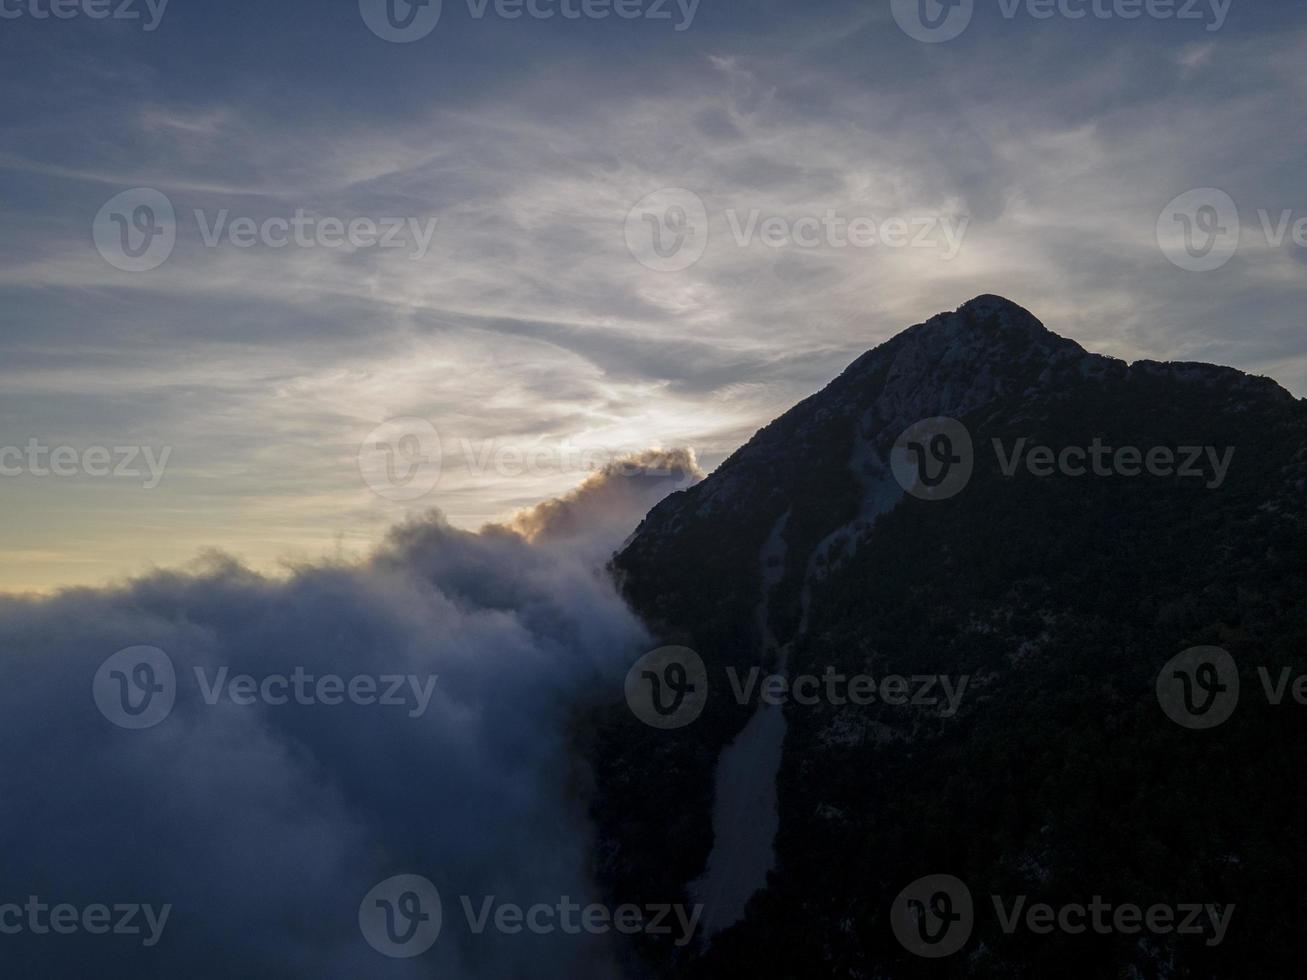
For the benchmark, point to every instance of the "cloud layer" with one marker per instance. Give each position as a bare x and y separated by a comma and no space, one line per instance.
264,825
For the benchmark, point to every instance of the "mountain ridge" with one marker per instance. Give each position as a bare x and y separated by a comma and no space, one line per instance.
807,550
987,325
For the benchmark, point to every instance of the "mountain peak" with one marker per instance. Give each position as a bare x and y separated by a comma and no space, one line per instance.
1001,315
991,305
988,355
987,335
987,318
954,362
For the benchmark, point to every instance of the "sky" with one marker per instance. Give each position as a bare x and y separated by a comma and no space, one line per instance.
272,282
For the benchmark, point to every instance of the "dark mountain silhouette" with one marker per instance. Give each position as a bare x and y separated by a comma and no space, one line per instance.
1058,598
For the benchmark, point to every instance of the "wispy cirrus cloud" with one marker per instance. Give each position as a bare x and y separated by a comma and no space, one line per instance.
528,318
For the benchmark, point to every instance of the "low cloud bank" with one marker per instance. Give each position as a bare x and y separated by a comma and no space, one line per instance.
264,824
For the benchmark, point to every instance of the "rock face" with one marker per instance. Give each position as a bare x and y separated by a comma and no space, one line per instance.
1078,544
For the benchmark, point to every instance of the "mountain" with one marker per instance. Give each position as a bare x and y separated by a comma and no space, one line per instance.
1029,536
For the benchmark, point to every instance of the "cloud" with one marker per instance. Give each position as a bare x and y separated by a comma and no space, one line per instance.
606,499
265,825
